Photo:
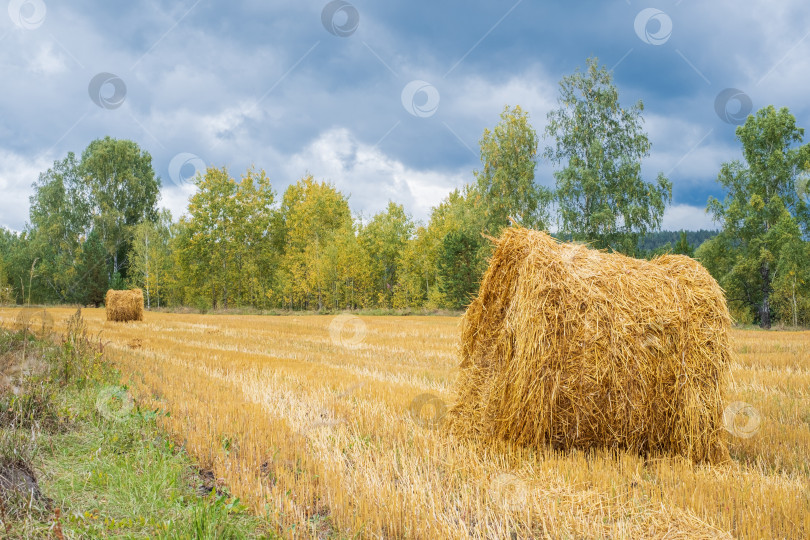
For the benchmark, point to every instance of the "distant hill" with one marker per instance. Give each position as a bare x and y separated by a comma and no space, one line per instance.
657,240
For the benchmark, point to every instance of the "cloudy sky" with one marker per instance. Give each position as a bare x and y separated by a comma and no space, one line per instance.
386,100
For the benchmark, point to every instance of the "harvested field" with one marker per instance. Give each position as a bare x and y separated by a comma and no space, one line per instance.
330,426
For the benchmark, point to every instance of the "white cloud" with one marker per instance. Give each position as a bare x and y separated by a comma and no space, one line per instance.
175,199
17,173
361,171
370,177
685,149
687,217
533,89
47,61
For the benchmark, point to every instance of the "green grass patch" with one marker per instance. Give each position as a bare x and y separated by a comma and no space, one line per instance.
80,459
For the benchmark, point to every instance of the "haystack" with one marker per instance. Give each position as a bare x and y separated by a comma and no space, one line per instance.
579,348
124,305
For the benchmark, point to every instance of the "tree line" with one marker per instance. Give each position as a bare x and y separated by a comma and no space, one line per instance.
95,223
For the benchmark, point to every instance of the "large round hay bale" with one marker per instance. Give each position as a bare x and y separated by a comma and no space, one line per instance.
124,305
579,348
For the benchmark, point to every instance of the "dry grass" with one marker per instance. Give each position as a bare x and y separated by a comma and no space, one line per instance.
325,433
585,349
124,306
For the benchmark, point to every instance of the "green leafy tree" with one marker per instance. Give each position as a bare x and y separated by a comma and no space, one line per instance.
384,240
312,215
121,190
347,271
93,282
15,252
506,182
683,247
791,297
60,220
600,195
255,261
206,246
459,267
460,249
108,192
225,244
184,282
453,254
416,285
150,258
6,290
761,212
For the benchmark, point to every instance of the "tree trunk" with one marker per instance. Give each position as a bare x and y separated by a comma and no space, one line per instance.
225,284
146,252
765,306
765,314
795,318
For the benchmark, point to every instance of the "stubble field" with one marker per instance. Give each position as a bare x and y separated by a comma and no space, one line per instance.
332,427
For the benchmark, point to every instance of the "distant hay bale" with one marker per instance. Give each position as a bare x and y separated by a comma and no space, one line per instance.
579,348
124,305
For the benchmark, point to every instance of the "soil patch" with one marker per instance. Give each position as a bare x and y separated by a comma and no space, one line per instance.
18,477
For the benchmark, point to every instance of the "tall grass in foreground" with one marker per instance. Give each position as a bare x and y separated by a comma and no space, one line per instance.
79,459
